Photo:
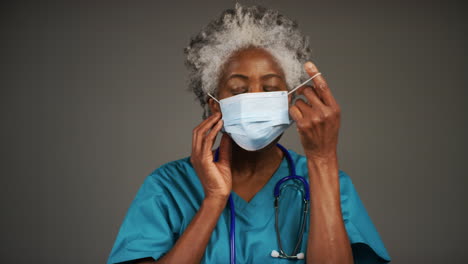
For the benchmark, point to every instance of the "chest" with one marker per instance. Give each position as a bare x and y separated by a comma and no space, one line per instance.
255,231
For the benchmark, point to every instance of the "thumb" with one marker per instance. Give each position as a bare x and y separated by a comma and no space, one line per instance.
225,150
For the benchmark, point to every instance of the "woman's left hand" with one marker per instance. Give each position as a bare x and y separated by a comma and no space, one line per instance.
318,121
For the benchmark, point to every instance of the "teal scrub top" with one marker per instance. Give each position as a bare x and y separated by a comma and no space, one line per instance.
172,194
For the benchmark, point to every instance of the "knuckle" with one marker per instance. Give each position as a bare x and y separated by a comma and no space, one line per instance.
338,110
328,115
317,119
202,143
308,91
322,86
332,112
300,125
210,136
306,125
202,132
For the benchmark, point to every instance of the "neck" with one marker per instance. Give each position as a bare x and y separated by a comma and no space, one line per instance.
246,164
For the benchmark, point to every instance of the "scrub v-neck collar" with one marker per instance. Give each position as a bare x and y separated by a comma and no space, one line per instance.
264,197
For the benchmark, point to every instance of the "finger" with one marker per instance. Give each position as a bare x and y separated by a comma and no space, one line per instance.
320,84
295,113
209,122
304,107
225,147
196,147
200,131
308,112
301,90
209,140
313,98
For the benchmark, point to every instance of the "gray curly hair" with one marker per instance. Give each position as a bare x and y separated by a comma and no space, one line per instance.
239,28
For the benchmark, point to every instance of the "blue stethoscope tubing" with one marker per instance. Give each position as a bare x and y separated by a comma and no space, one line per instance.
277,190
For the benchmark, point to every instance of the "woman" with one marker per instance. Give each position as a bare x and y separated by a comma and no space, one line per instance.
218,205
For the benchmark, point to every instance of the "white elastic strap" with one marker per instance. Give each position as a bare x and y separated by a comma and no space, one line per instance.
300,85
213,97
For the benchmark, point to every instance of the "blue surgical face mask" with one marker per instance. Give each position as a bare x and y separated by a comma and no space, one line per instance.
254,120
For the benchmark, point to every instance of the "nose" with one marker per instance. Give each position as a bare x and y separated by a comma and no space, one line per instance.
255,87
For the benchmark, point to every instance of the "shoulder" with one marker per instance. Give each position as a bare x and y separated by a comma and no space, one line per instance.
172,170
170,176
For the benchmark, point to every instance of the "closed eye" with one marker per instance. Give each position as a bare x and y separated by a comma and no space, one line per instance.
269,88
239,90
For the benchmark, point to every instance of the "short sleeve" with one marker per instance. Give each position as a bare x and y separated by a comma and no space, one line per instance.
146,229
367,246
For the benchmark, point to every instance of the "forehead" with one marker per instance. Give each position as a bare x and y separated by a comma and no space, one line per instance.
252,61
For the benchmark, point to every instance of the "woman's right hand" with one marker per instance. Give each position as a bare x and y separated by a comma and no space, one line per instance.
217,184
215,176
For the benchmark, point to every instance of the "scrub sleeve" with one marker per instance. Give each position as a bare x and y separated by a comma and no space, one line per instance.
145,231
366,244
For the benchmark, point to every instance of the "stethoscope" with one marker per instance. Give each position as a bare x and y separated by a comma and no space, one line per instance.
276,193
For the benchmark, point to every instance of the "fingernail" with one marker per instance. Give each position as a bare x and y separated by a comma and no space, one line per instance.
310,66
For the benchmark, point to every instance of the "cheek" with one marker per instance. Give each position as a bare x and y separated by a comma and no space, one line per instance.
223,94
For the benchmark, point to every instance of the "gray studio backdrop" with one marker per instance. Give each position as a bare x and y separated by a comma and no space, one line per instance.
94,98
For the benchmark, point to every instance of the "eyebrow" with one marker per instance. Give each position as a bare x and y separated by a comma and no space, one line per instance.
270,75
236,75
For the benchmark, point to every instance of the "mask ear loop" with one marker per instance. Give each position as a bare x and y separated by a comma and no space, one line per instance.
213,97
300,85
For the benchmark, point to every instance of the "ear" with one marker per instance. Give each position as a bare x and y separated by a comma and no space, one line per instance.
291,99
213,105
